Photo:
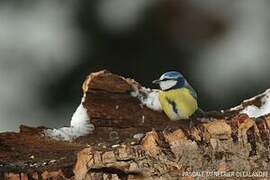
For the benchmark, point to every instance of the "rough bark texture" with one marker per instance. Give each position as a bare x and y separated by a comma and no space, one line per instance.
229,142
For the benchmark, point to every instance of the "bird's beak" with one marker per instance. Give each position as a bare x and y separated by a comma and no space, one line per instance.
156,81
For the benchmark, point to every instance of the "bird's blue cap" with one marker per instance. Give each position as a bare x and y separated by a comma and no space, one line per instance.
169,75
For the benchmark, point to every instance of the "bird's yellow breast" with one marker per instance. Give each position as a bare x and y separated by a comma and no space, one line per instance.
178,103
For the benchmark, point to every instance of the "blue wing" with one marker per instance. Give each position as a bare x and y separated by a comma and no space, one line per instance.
192,91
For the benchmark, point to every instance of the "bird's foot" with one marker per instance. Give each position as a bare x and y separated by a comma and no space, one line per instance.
168,129
193,122
204,120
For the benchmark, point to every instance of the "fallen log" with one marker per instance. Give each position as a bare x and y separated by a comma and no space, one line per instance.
128,140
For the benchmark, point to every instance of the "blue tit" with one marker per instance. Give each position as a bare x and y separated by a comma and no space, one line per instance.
177,98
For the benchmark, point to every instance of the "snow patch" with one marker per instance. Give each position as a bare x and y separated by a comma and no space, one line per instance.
148,97
254,111
79,126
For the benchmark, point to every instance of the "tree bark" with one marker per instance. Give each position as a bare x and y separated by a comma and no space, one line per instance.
131,141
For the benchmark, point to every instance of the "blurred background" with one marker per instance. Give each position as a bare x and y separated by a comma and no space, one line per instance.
48,47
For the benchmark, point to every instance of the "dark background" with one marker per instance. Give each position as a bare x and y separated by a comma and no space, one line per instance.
48,47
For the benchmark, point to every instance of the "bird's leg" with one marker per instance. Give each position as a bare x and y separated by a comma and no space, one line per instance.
191,123
200,113
194,121
204,120
205,117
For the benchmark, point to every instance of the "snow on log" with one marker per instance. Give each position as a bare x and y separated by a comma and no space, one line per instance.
261,108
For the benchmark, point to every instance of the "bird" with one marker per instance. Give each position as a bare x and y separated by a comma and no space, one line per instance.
177,97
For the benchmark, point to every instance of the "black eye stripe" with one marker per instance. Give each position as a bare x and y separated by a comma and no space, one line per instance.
167,79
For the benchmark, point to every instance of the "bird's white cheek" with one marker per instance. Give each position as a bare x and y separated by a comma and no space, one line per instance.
164,85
